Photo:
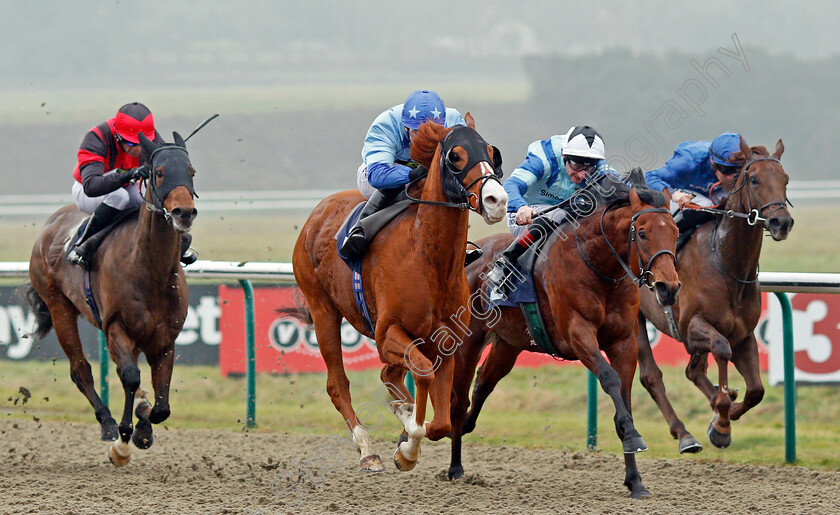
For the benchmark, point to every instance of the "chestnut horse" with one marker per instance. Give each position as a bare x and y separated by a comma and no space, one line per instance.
413,278
138,286
588,304
721,300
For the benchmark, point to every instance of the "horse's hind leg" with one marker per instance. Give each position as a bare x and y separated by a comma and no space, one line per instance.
122,353
745,358
651,378
499,362
466,360
327,322
65,322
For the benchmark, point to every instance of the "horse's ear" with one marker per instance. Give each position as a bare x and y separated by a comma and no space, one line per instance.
780,149
178,139
635,201
667,193
470,120
746,150
636,178
148,145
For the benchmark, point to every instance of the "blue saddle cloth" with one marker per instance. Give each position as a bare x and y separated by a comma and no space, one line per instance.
520,288
355,264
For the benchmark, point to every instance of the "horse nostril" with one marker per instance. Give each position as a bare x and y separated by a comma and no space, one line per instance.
177,212
491,200
775,224
193,213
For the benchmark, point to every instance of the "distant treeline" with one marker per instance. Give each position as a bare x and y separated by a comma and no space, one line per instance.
645,105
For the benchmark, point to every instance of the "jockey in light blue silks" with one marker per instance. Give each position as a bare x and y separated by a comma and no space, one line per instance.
382,175
554,170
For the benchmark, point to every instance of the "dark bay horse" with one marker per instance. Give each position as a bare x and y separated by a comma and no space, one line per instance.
720,301
414,282
588,304
138,286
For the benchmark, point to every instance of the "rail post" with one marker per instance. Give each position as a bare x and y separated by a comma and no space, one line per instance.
250,353
591,411
103,368
790,382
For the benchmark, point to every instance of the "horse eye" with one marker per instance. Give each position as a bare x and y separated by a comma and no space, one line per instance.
453,156
159,174
753,180
642,234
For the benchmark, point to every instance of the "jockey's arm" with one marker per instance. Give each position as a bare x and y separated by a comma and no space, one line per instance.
96,183
523,177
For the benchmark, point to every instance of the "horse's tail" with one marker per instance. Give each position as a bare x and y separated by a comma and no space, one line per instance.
301,309
43,319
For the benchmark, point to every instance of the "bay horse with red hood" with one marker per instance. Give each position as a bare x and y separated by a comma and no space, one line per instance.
588,302
414,282
137,286
720,303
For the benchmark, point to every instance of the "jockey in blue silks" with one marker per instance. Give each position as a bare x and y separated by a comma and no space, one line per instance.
699,172
382,175
554,170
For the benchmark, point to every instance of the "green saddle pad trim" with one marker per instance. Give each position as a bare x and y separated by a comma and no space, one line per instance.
533,318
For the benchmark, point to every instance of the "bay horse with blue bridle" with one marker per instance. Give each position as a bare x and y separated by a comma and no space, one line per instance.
138,294
413,279
720,303
588,296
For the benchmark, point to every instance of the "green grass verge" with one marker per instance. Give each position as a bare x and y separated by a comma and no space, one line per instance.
532,408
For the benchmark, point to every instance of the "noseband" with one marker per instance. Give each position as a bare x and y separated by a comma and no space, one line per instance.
645,273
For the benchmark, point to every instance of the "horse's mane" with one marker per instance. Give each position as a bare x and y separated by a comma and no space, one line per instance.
621,193
425,143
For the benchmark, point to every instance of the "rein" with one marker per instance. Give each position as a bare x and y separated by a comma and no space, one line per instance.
643,278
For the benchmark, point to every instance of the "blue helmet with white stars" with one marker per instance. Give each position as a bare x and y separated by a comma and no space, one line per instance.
423,105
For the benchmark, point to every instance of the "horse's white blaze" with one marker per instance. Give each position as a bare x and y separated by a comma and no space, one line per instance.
362,440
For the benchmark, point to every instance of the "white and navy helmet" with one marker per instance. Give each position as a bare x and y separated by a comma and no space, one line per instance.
585,142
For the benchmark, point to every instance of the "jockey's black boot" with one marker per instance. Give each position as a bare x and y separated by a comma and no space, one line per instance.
472,255
357,241
92,237
188,255
506,263
688,220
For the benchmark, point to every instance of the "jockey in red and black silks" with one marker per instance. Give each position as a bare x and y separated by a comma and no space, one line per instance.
107,172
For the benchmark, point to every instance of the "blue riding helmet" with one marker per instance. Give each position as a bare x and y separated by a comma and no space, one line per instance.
724,146
423,105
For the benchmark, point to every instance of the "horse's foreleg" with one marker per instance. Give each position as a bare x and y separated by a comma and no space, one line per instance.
651,378
499,362
64,316
121,349
623,356
588,351
397,348
701,335
745,358
161,365
465,361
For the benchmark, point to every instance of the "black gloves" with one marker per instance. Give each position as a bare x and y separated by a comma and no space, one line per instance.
417,173
133,175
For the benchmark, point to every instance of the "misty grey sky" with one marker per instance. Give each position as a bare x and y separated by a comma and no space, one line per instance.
67,43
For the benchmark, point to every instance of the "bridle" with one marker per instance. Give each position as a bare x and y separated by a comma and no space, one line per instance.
643,279
459,195
753,215
158,196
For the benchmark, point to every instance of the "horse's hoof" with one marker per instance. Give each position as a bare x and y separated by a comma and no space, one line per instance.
634,444
109,431
403,464
718,439
403,438
116,458
143,437
456,472
690,444
640,493
371,463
